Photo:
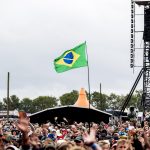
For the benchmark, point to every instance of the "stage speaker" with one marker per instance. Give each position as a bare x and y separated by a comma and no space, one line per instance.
132,108
146,36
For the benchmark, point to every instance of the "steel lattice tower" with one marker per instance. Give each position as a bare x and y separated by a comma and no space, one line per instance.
145,71
146,58
146,51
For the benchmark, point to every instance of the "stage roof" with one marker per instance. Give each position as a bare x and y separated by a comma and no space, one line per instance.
79,112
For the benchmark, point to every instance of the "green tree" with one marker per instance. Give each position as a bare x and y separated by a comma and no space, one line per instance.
69,98
115,102
2,106
27,105
43,102
13,102
99,101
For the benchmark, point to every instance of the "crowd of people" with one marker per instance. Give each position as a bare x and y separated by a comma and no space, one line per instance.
21,134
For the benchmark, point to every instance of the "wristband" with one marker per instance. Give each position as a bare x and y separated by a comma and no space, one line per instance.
94,146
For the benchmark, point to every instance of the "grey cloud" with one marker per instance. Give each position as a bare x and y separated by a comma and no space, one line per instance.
34,32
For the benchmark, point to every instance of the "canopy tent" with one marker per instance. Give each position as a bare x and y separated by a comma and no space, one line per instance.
81,111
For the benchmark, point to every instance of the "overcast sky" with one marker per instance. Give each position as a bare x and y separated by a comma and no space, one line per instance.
34,32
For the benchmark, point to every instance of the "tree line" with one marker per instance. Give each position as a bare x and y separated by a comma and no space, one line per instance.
98,100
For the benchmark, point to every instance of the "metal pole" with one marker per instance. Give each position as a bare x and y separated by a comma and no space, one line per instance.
8,97
100,91
88,83
88,78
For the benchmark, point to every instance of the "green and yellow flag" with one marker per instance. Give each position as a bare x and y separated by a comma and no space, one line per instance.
70,59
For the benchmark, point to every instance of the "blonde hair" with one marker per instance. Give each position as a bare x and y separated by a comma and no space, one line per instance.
77,148
102,143
65,146
123,141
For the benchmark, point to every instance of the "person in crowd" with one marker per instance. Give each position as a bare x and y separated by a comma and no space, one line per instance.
23,135
123,144
105,145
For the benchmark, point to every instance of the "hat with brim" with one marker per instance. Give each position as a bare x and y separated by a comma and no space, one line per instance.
78,139
12,147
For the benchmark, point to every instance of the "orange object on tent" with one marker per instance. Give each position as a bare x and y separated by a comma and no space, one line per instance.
82,100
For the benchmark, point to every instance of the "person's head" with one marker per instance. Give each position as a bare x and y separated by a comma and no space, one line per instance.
140,132
38,131
50,146
104,133
104,145
146,128
77,148
63,146
114,146
79,141
11,147
123,144
56,127
131,123
64,131
14,132
116,136
73,128
44,131
138,125
53,131
125,125
110,130
34,137
145,122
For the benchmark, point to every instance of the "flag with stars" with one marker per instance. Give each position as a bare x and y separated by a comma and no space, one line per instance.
70,59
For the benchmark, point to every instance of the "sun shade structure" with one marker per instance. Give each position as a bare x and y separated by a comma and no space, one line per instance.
78,112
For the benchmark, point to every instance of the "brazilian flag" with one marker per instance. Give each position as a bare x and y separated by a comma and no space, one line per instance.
70,59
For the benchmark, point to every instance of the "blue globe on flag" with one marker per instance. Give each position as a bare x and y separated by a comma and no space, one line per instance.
68,58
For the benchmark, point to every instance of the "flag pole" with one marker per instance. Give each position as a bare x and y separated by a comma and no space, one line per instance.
88,79
8,96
